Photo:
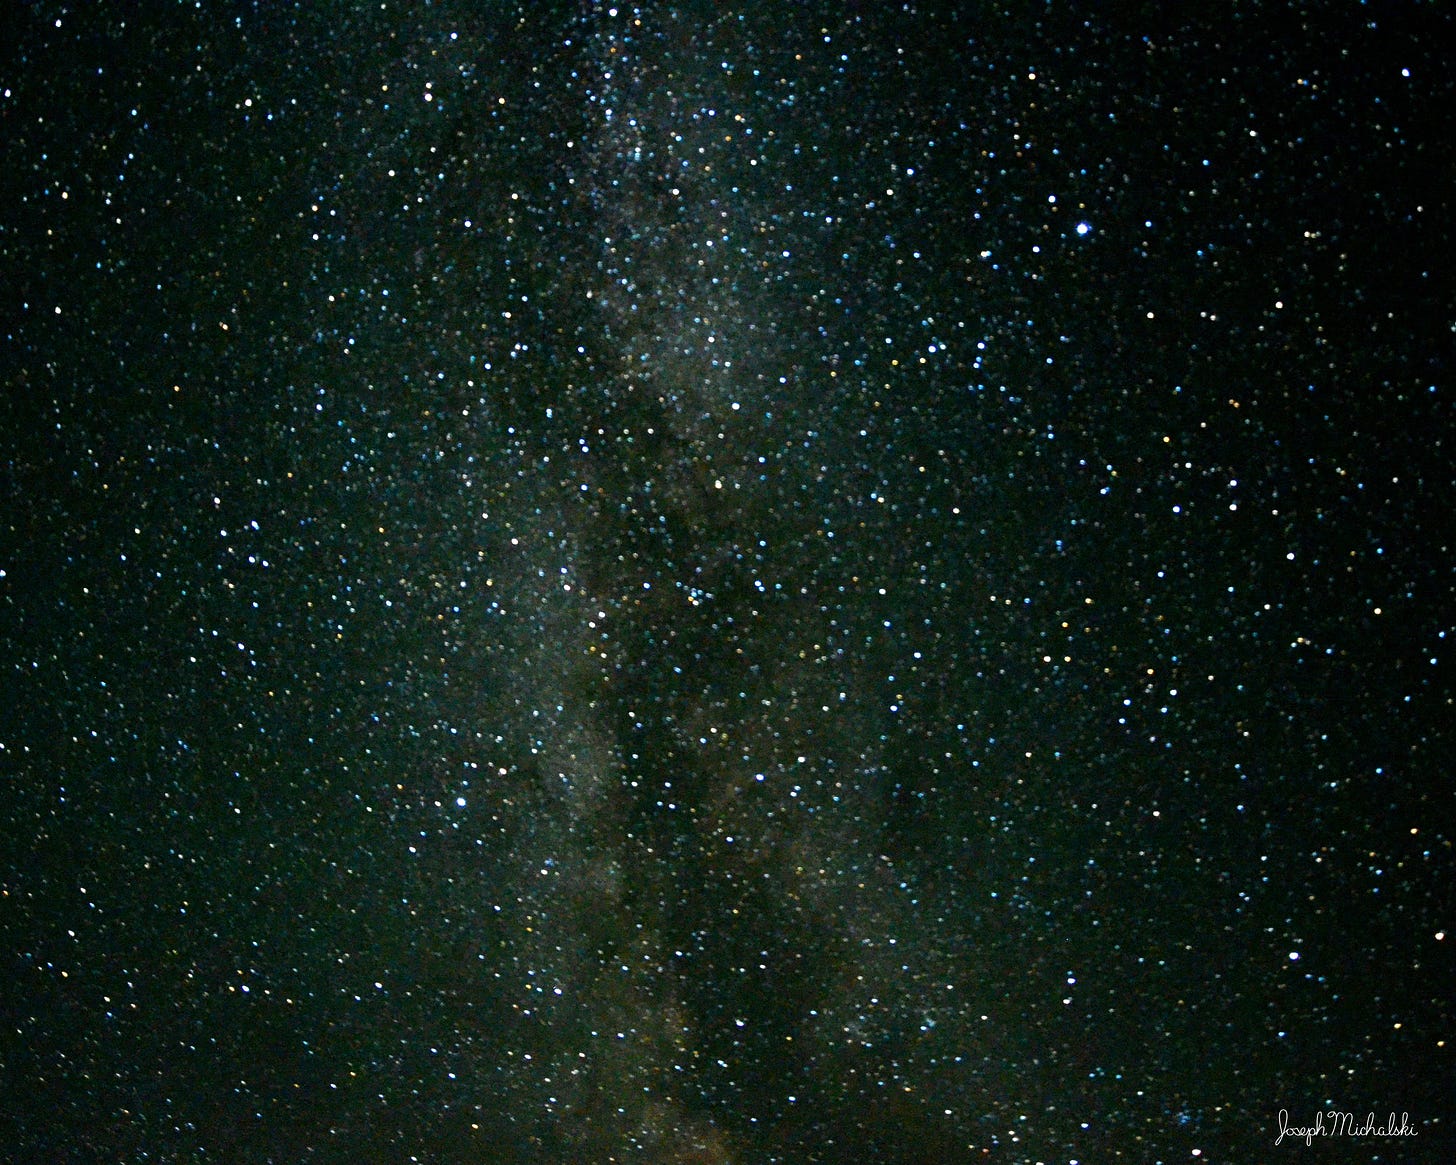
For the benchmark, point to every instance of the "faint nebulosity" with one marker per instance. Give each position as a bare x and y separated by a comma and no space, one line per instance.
770,583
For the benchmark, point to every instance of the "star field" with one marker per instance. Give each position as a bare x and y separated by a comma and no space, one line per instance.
594,582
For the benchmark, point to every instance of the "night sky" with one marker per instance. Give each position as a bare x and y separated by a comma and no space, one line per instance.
765,583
